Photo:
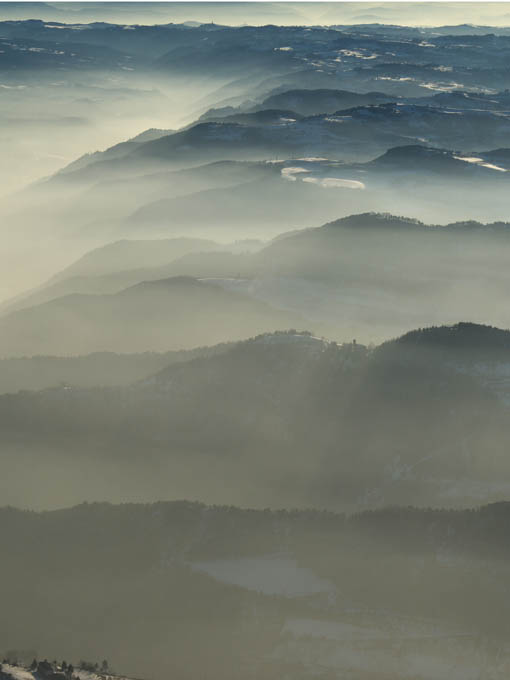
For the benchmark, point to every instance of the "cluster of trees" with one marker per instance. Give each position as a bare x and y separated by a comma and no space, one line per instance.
53,670
94,667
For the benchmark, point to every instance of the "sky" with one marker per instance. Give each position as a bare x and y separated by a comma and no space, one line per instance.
256,13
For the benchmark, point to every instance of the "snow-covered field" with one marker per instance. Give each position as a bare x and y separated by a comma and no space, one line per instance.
331,630
395,627
269,574
404,647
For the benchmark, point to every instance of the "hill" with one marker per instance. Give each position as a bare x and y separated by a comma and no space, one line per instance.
110,268
313,102
122,255
467,337
289,419
175,313
299,592
286,205
101,369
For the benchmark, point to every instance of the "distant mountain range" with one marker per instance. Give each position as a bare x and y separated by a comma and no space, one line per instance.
283,133
460,68
405,20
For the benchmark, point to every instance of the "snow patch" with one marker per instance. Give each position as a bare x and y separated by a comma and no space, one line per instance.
289,173
358,54
335,182
313,159
331,630
481,162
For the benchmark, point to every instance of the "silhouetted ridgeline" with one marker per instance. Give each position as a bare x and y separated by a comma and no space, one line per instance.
468,336
199,531
387,220
474,347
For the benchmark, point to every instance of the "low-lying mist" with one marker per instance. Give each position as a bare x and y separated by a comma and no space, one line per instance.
254,255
